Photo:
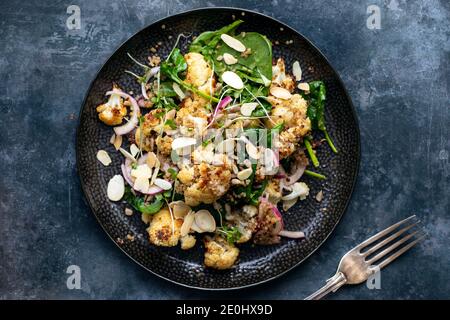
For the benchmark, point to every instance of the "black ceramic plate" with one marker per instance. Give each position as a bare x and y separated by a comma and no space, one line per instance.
256,264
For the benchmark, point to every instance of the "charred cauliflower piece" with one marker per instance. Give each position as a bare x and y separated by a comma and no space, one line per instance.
199,73
292,113
164,145
280,78
203,183
269,225
273,190
188,242
152,121
160,229
193,114
219,253
192,117
113,111
245,221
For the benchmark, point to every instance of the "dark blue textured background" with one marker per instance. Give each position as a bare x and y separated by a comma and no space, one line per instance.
398,78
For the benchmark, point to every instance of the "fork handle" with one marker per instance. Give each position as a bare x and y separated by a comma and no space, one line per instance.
334,283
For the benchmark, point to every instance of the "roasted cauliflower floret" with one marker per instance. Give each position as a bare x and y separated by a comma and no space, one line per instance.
219,253
199,73
152,121
204,183
192,118
113,111
268,225
164,145
148,142
160,229
280,78
292,113
273,190
245,221
193,115
188,242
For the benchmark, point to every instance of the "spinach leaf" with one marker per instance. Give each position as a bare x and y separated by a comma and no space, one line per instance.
139,204
316,110
256,193
166,89
174,65
316,106
262,111
207,41
173,173
253,65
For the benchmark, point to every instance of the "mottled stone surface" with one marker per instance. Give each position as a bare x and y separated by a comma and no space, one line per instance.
398,78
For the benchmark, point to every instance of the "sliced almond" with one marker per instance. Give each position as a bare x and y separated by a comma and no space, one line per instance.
247,108
205,221
319,196
134,150
178,91
146,218
116,188
141,184
252,151
163,184
287,204
244,174
225,146
233,80
171,114
229,59
303,86
112,139
142,171
233,43
104,157
180,209
117,142
280,93
196,228
126,154
151,159
155,172
183,142
187,223
297,71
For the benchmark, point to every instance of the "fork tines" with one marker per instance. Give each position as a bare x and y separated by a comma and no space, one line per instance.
391,242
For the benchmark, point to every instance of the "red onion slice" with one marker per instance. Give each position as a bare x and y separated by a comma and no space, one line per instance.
151,73
132,123
279,224
141,102
142,159
154,190
126,175
293,178
126,171
222,104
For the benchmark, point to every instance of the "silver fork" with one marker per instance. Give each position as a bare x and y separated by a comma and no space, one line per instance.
357,265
